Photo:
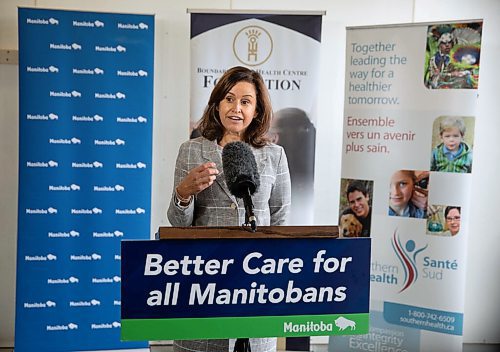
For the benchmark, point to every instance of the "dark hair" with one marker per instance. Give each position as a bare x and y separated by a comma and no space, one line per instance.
449,208
255,134
356,186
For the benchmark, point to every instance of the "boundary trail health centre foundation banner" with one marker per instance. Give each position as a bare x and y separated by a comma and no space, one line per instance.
284,48
410,106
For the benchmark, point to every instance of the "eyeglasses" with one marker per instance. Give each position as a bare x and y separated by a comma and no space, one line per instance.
453,218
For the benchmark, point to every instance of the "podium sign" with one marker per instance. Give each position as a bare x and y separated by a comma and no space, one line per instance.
244,287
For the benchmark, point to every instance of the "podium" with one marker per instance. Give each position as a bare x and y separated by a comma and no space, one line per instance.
227,282
207,232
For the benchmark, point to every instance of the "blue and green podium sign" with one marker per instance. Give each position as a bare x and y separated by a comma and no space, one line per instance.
244,287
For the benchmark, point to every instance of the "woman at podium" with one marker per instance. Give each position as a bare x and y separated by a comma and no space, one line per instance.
239,110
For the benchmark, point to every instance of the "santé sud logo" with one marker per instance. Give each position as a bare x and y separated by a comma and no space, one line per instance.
407,255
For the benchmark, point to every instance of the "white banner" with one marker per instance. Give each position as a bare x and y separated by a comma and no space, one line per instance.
410,102
285,50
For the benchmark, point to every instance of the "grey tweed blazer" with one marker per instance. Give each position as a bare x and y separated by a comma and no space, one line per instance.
216,206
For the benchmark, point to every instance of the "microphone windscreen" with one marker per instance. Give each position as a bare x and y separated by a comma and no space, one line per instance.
240,169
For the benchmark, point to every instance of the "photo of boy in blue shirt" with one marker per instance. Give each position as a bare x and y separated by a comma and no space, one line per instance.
452,154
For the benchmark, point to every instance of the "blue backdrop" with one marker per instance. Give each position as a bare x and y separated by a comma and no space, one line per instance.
85,145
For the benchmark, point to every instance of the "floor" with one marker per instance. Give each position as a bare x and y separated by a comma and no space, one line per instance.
314,348
467,347
317,348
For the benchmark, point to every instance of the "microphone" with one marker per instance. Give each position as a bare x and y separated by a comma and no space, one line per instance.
242,177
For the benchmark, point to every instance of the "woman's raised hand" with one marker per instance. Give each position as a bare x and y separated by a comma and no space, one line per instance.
197,180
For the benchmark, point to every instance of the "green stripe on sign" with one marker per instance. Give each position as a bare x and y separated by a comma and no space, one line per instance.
233,327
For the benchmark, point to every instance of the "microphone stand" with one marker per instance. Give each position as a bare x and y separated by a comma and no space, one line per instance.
250,218
242,345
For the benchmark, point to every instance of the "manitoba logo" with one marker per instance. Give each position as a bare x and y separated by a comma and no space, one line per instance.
307,327
43,21
132,25
252,45
112,325
70,326
407,255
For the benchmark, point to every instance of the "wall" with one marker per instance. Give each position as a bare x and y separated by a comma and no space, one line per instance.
171,106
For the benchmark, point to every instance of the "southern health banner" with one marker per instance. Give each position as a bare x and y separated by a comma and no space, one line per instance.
227,288
85,135
284,48
410,107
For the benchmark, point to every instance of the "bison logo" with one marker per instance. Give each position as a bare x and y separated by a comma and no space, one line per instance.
343,323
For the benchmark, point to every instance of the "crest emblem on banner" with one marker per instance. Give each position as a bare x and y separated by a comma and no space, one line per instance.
252,45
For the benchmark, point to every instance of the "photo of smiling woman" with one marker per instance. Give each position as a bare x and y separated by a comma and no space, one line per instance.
444,220
452,217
